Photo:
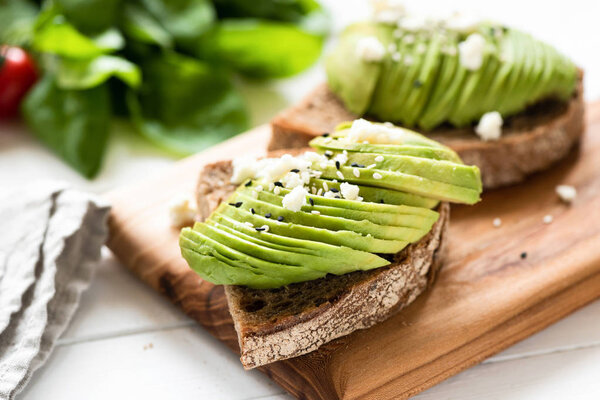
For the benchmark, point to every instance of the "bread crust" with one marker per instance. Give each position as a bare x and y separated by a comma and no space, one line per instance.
367,298
530,142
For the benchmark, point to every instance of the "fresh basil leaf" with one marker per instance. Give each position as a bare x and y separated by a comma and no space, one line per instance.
139,25
185,20
54,34
73,123
17,18
90,16
75,73
264,49
185,105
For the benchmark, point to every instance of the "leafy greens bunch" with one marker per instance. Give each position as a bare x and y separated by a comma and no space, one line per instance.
167,65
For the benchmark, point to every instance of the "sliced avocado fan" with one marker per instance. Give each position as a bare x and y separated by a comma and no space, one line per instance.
426,77
370,190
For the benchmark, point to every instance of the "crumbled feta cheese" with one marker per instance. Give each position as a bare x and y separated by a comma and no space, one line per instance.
548,219
349,191
340,175
182,211
566,193
388,11
379,158
293,179
277,190
243,168
497,222
295,199
342,158
365,131
471,51
377,175
370,49
490,126
316,212
329,195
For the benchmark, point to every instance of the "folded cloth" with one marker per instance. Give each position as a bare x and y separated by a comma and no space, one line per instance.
50,239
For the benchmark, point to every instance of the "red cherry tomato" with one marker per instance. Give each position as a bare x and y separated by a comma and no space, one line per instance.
17,76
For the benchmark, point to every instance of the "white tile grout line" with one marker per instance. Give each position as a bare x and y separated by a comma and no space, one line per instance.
125,332
538,353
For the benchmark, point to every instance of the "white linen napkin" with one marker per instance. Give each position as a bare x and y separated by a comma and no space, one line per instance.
50,239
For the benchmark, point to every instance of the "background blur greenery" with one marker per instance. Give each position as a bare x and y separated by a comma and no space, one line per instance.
165,65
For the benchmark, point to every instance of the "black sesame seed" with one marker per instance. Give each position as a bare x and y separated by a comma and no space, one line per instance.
252,210
523,255
280,218
248,183
328,155
354,164
278,184
337,196
334,190
259,229
236,205
337,164
381,201
312,202
296,170
325,134
268,215
417,83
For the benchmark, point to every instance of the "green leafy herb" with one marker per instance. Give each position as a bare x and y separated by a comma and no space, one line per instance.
73,123
53,34
248,46
85,74
138,24
185,20
185,105
90,16
17,18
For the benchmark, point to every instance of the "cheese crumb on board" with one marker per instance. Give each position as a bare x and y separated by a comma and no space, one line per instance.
182,211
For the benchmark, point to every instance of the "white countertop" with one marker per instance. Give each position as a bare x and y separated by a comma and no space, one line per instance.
128,342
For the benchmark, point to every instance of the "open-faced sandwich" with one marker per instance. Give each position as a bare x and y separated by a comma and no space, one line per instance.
313,246
504,101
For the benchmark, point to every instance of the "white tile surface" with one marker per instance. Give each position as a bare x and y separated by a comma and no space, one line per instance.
102,354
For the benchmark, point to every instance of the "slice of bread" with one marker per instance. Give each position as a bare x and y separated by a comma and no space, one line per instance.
530,142
276,324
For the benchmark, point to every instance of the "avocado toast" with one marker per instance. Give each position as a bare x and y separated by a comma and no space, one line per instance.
314,246
504,101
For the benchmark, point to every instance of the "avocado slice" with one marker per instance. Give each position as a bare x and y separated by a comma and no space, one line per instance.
372,194
332,223
345,238
329,258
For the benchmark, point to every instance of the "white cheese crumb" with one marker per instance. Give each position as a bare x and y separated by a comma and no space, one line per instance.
295,199
277,189
349,191
243,168
370,49
566,193
316,212
356,172
340,175
471,51
497,222
490,126
182,211
377,175
329,195
379,158
548,219
342,158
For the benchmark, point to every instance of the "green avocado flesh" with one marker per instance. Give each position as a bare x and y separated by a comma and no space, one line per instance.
335,226
423,82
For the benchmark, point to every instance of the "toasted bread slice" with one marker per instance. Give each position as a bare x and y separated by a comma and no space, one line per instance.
530,142
276,324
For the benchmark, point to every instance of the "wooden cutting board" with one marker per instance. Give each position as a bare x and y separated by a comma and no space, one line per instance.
487,297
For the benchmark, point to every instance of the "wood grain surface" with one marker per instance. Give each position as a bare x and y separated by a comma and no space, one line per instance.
486,298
